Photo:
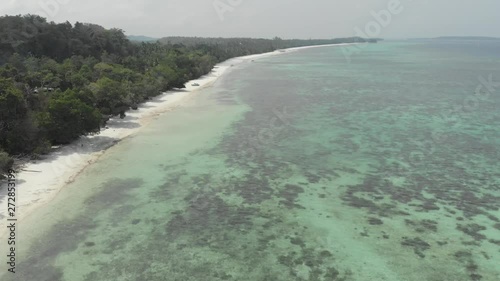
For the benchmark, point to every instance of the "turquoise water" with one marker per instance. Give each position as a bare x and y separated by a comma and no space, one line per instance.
303,166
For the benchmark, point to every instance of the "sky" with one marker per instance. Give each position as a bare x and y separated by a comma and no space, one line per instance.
302,19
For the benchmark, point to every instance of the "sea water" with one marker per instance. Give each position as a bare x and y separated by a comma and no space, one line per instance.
305,166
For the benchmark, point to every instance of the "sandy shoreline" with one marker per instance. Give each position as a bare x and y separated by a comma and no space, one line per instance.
38,182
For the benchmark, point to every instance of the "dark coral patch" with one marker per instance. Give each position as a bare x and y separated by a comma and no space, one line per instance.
419,246
290,193
422,225
113,192
466,259
375,221
473,230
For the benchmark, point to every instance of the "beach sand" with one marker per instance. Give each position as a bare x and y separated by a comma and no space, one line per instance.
38,182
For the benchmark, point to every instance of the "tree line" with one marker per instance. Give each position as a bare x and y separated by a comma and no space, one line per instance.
59,81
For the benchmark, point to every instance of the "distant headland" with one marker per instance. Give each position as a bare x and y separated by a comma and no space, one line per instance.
466,38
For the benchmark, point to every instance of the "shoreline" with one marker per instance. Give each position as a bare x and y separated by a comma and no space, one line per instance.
39,181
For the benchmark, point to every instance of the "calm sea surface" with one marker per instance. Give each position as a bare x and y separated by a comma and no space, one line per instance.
303,166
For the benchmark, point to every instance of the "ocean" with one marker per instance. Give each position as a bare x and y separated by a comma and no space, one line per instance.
304,166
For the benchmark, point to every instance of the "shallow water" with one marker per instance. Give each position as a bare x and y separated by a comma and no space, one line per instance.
303,166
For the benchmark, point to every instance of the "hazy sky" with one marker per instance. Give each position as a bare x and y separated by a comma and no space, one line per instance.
269,18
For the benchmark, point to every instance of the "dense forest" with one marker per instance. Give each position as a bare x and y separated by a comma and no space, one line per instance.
61,81
226,48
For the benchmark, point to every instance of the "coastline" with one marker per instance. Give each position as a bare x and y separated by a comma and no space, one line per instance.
38,182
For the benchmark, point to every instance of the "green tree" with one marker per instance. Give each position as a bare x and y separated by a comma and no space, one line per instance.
86,72
110,95
13,112
12,103
68,118
6,162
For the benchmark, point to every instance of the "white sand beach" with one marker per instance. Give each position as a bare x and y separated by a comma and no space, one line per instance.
38,182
